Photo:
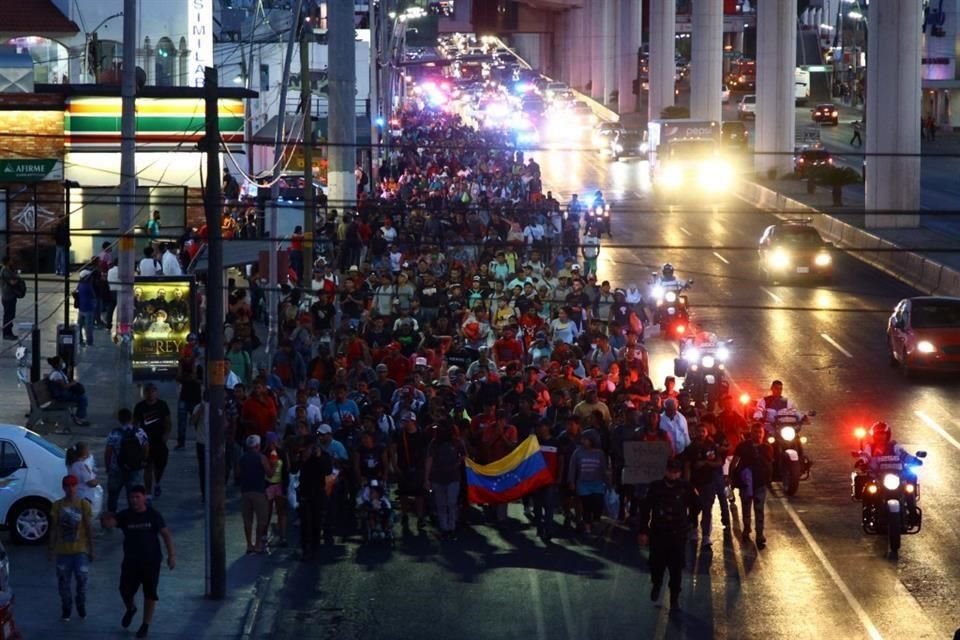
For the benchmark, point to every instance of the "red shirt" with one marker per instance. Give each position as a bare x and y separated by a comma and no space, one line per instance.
260,415
507,350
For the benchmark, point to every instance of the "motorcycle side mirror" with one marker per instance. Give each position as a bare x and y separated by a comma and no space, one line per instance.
921,454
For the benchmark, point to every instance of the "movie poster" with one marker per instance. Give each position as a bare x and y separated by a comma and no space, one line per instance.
162,320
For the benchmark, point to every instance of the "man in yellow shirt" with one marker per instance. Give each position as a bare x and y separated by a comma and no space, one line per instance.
71,545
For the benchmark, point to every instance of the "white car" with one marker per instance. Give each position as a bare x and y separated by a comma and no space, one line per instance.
747,107
31,473
725,94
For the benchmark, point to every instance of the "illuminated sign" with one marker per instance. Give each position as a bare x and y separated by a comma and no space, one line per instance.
162,320
200,39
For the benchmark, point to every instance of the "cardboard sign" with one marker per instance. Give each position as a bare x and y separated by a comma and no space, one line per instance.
644,461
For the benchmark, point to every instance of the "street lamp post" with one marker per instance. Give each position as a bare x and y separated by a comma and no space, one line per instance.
92,36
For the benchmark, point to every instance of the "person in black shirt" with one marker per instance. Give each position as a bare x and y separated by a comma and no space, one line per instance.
315,467
153,416
664,518
142,555
409,450
704,459
751,471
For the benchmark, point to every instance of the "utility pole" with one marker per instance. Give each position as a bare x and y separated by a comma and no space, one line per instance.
342,83
216,370
306,87
128,194
274,285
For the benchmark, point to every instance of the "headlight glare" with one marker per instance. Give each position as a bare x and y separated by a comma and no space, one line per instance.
822,259
925,346
788,433
891,481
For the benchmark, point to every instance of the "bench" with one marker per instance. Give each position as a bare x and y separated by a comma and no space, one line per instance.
42,404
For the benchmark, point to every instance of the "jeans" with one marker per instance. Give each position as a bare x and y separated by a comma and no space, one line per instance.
544,505
445,500
73,395
77,566
61,260
312,517
117,480
85,320
9,312
709,493
184,410
109,306
756,502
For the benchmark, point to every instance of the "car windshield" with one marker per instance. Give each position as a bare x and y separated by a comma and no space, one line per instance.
630,138
43,443
800,237
940,314
816,155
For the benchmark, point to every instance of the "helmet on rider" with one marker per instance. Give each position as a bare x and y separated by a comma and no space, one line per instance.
880,430
667,270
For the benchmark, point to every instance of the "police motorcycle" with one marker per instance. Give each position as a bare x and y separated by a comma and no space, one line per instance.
888,488
702,365
598,215
790,463
669,303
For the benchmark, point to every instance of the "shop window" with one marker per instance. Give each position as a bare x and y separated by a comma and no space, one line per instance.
50,58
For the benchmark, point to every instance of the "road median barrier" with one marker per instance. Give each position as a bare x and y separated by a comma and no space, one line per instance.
915,269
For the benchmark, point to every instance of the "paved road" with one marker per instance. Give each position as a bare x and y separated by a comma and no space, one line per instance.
820,576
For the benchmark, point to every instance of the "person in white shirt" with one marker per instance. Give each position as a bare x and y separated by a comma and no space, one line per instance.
149,266
169,261
389,231
673,422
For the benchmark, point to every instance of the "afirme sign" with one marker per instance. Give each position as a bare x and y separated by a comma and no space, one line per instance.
31,170
200,38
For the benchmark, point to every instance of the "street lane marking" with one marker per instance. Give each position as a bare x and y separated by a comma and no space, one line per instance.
936,427
836,344
683,230
775,297
721,258
568,622
858,609
537,604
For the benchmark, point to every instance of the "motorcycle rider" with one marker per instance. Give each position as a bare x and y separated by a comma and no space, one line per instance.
881,444
771,404
598,200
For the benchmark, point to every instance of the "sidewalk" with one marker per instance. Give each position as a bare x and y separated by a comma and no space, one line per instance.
182,612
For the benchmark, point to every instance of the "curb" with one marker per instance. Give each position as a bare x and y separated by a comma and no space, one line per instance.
909,267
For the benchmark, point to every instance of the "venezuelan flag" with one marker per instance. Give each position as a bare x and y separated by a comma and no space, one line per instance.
522,471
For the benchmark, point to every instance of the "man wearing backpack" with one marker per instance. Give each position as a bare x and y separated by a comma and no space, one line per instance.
664,518
125,457
751,472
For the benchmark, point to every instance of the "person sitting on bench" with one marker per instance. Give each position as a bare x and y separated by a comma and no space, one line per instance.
65,390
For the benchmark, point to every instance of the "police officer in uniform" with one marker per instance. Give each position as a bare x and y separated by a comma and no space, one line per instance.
665,516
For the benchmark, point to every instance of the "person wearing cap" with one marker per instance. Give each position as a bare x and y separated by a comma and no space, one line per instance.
63,389
665,516
590,403
71,546
253,469
313,495
86,304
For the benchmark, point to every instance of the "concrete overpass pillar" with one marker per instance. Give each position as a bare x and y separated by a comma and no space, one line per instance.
595,43
893,114
628,50
582,49
663,65
609,42
707,60
776,61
